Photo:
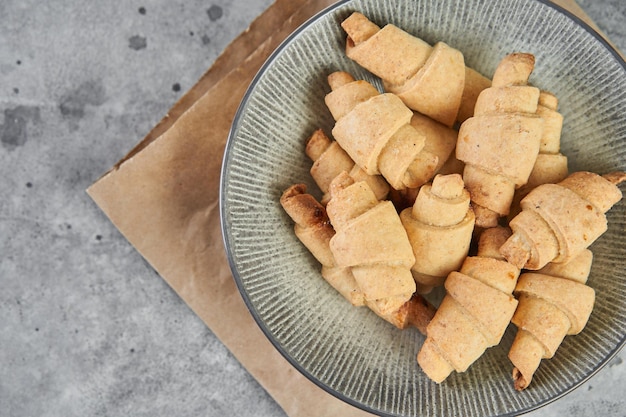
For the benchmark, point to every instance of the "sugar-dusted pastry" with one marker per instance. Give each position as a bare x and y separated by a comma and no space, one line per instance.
551,165
475,311
329,160
382,135
558,221
553,302
432,80
371,241
439,226
500,143
313,228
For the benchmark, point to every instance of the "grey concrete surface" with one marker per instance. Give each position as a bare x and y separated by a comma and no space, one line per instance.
87,328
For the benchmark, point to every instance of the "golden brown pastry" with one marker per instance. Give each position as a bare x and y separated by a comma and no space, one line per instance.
551,165
475,311
500,143
553,302
432,80
417,312
439,226
558,221
375,130
475,83
329,160
313,228
371,241
440,141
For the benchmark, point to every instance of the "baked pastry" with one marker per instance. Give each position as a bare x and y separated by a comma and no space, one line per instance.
475,311
313,228
432,80
551,165
371,241
440,141
329,160
558,221
553,302
500,143
439,226
417,312
375,130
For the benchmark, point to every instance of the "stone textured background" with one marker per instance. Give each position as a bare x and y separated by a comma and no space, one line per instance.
87,328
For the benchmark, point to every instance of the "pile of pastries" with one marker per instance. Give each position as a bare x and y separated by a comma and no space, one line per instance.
451,179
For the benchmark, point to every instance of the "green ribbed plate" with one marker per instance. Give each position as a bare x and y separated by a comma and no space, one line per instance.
349,351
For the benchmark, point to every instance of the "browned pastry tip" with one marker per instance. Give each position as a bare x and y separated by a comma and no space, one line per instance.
514,69
317,143
520,383
359,27
616,177
302,207
421,312
416,312
338,79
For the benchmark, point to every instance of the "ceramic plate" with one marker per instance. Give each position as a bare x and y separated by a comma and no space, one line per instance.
349,351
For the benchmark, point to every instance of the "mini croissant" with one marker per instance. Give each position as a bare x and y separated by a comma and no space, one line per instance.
500,143
558,221
329,160
439,225
371,241
375,130
432,80
553,302
313,228
475,311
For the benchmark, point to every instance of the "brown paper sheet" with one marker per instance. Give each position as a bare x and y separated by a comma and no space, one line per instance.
173,174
